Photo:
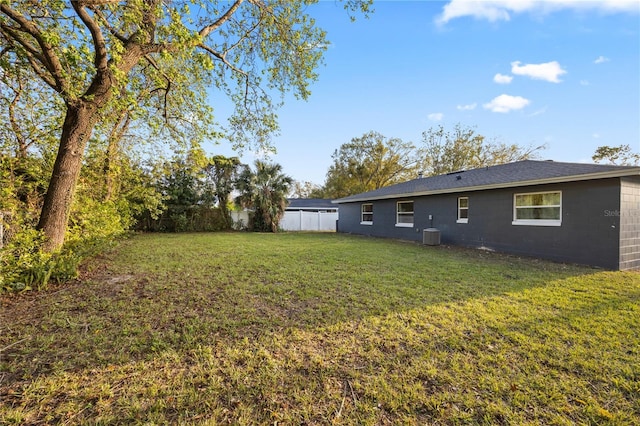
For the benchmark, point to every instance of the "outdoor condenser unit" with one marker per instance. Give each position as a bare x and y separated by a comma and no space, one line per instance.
431,237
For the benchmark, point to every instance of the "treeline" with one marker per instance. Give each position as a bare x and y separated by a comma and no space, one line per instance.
373,160
85,87
116,194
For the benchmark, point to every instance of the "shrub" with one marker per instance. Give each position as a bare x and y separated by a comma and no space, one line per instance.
25,266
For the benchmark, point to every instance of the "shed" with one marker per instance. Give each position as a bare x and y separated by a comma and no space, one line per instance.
310,214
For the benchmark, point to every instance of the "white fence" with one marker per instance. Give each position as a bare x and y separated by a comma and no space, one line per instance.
309,221
240,219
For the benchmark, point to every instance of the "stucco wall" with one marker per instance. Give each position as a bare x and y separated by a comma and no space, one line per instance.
589,234
630,223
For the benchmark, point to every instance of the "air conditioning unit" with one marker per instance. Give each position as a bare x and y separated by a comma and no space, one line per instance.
431,237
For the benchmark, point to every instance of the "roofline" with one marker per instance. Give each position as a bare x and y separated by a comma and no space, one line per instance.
560,179
312,208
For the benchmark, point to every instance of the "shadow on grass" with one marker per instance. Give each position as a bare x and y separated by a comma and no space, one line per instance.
178,291
161,299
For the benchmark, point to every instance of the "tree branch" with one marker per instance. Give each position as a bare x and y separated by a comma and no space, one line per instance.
47,56
101,57
35,59
109,27
22,148
14,34
245,35
204,32
223,59
153,63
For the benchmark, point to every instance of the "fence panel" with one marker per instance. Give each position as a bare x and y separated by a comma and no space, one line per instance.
309,221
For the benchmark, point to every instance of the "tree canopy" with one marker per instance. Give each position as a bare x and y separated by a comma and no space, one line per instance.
223,173
369,162
155,59
374,161
621,155
446,151
265,192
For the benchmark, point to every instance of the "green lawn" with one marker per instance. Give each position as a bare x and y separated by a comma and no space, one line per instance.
292,329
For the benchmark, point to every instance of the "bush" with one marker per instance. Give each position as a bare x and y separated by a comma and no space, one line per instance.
184,219
94,220
24,265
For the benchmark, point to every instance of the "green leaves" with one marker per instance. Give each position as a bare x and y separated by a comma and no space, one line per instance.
621,155
370,162
265,192
148,65
461,148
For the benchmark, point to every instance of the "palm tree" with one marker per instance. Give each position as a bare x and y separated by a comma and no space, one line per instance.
265,191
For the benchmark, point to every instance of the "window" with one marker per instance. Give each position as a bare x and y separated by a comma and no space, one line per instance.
366,217
463,209
404,216
538,208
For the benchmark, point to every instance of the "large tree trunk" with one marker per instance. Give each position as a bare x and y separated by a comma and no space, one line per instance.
76,130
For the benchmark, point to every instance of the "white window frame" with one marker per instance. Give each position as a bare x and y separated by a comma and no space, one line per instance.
399,213
362,213
460,209
537,222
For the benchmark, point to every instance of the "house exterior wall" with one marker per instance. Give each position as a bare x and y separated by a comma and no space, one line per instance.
630,223
589,233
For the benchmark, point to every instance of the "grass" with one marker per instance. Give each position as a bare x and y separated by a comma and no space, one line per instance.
321,329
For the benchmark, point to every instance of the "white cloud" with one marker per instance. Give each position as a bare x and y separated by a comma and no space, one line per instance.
548,71
596,136
584,82
501,10
502,79
468,107
435,116
601,60
506,103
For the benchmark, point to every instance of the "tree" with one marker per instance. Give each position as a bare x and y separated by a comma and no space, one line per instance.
30,120
29,123
265,191
369,162
99,55
462,148
305,189
619,155
222,173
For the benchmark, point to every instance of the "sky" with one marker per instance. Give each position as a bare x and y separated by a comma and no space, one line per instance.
560,73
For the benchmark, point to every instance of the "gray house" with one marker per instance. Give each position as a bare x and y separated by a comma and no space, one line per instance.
568,212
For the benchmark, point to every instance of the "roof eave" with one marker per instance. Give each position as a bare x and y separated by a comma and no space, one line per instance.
559,179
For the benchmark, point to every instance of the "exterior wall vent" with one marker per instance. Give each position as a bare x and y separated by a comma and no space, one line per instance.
431,237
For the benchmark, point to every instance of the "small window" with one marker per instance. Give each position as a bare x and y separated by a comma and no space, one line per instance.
404,216
463,209
367,214
538,208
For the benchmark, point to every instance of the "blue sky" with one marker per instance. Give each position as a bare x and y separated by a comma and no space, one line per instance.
562,73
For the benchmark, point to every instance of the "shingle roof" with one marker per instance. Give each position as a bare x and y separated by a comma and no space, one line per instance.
520,173
310,203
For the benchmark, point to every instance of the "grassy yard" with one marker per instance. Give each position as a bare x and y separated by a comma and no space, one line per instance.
293,329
